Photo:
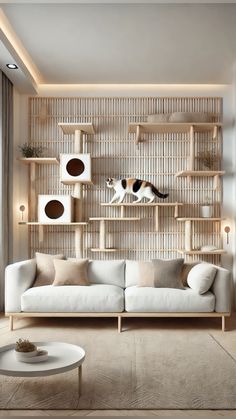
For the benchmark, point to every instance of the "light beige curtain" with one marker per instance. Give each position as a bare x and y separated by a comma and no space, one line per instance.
6,165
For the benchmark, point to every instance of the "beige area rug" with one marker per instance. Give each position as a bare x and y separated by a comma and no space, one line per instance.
139,369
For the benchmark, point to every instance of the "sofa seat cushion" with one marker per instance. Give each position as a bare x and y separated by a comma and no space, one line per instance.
70,299
163,300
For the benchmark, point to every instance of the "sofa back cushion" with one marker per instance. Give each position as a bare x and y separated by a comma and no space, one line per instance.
131,273
110,272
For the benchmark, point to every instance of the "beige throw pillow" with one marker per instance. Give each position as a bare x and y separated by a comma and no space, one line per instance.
146,274
45,272
161,273
71,273
201,277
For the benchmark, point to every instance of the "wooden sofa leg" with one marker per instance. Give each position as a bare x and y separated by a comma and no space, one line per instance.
11,323
223,323
119,324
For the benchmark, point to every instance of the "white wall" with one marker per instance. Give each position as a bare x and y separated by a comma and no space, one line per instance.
229,148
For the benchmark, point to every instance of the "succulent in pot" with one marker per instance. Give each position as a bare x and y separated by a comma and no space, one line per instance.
25,349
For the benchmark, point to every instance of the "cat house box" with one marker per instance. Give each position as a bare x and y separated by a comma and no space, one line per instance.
75,168
55,209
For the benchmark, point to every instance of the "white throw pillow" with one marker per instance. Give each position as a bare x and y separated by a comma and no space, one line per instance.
201,277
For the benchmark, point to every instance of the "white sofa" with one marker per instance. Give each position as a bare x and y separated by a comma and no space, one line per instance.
113,293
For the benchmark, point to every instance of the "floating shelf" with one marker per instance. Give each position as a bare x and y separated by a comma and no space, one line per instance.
108,250
145,204
114,219
155,205
201,219
35,223
39,160
171,127
200,252
200,173
70,128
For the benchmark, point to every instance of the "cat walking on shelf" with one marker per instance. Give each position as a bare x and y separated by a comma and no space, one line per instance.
139,188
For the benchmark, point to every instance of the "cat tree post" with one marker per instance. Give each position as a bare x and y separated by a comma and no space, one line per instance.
102,235
78,188
156,218
79,242
188,235
32,194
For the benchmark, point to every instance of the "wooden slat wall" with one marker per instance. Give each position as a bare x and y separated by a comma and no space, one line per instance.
115,155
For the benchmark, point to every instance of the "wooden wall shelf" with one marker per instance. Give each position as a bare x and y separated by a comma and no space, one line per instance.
39,160
202,173
200,219
107,250
200,252
72,127
154,205
102,232
114,219
78,228
169,127
188,231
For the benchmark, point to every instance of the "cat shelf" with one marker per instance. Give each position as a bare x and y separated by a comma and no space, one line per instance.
200,252
69,128
78,229
202,173
155,205
188,230
39,160
140,128
102,231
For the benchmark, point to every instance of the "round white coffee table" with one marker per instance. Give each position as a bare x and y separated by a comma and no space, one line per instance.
62,357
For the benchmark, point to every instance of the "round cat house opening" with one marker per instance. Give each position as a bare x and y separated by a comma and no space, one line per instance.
54,209
75,167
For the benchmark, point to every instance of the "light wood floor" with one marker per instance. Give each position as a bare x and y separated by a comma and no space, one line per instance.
227,340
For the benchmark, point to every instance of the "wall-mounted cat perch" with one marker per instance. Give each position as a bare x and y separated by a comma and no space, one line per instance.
102,231
78,229
140,128
155,205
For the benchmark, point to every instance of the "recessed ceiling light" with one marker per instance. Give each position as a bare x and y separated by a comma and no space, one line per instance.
12,66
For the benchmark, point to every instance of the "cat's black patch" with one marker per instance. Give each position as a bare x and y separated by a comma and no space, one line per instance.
124,183
137,185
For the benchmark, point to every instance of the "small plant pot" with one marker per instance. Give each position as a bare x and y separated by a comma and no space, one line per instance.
206,211
23,355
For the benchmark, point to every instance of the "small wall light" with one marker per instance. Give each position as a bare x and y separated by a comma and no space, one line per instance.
227,231
12,66
22,209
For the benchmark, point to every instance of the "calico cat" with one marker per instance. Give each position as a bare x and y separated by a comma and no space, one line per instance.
140,188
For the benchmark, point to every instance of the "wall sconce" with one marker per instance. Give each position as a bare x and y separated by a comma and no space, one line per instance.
22,209
227,231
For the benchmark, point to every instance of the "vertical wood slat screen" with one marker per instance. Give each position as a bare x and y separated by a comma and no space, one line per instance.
114,154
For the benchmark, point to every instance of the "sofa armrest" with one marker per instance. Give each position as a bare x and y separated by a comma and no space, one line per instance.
221,287
18,278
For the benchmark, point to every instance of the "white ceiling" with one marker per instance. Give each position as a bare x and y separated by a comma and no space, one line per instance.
127,43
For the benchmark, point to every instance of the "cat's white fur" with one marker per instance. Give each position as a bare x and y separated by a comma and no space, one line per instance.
120,192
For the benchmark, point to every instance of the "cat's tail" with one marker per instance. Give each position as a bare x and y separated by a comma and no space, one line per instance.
159,194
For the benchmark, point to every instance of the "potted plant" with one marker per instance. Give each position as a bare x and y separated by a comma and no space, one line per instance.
28,150
209,159
206,208
25,349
